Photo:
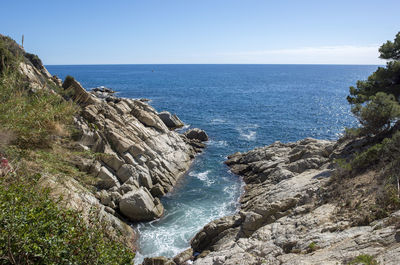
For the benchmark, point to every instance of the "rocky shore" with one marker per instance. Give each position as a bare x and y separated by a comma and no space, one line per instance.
138,155
285,217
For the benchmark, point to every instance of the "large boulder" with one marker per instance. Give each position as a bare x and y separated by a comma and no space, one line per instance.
196,134
171,121
138,205
106,179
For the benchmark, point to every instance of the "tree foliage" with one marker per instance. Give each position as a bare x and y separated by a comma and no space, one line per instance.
376,100
378,114
391,50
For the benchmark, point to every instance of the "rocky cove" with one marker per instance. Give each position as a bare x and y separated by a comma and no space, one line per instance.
295,208
285,214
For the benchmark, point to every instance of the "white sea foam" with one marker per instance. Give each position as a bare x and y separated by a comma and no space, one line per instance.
184,128
203,176
218,143
218,121
247,134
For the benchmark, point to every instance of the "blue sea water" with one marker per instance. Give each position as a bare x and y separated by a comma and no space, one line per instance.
240,107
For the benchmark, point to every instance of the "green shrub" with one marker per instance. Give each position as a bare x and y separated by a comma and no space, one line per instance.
33,117
364,259
312,246
367,158
378,114
34,230
10,53
35,60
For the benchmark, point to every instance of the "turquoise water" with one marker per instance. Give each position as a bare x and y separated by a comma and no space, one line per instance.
240,107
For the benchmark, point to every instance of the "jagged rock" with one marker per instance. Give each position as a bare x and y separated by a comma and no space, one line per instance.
106,179
282,215
145,181
171,121
184,256
113,161
139,205
80,95
197,134
127,171
157,190
75,196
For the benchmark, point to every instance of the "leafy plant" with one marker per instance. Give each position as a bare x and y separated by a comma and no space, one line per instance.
34,230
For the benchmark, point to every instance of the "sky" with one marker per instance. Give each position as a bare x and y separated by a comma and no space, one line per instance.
202,31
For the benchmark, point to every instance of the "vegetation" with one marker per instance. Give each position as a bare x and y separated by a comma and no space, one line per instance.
35,132
364,259
312,247
34,230
375,103
376,100
32,117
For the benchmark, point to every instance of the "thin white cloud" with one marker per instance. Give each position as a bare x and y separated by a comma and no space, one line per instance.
345,54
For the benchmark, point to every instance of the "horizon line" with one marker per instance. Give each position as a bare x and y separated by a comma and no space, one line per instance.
349,64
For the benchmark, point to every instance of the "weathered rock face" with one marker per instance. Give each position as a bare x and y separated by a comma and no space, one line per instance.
283,220
139,150
171,121
76,197
196,134
140,205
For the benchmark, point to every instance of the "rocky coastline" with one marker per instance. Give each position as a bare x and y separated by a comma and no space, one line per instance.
285,217
138,154
290,213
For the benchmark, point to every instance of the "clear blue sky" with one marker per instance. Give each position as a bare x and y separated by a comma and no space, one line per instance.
202,31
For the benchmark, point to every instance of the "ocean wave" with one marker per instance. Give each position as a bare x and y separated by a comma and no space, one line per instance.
184,128
203,176
247,134
218,121
218,143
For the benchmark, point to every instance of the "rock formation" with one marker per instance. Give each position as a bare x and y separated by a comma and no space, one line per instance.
172,121
283,218
141,159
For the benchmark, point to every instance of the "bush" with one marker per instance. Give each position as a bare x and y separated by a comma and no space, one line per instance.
378,114
32,117
367,158
10,53
35,60
364,259
34,230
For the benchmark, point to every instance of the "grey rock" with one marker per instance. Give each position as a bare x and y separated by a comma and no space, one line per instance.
106,179
171,121
281,214
125,172
139,206
197,134
183,256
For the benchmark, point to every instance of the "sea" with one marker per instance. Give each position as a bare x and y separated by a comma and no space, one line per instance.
240,107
